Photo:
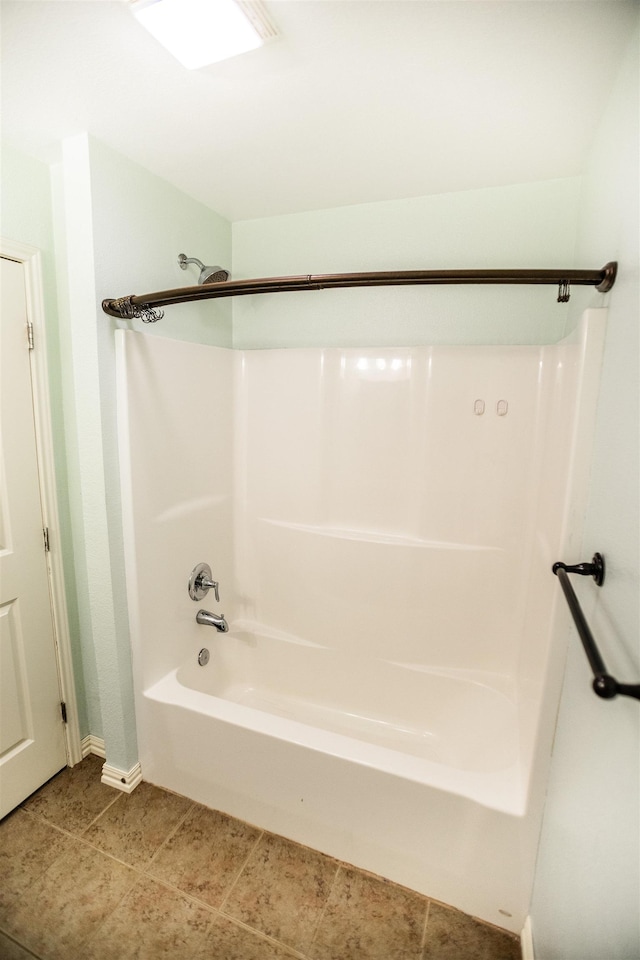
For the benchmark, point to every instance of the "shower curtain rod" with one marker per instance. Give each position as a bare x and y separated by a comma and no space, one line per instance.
145,306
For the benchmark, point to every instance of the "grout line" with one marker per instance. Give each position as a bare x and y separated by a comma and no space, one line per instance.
424,929
379,876
35,816
170,835
40,816
108,807
212,921
137,872
122,899
314,932
240,872
63,830
183,893
172,889
141,870
140,875
216,912
87,843
92,846
27,950
292,952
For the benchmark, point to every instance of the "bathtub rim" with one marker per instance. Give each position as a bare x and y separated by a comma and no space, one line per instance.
503,791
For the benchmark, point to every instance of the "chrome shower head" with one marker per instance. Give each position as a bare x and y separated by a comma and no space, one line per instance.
207,274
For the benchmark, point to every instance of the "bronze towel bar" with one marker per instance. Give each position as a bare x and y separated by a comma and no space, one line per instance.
604,684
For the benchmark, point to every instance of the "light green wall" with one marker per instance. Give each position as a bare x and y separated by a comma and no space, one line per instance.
523,225
120,230
587,889
26,216
110,702
140,225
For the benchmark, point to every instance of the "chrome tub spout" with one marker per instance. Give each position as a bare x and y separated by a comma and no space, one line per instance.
213,620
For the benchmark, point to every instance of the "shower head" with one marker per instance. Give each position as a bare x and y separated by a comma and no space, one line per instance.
207,274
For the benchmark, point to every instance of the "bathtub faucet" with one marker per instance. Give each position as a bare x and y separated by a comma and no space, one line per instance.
213,620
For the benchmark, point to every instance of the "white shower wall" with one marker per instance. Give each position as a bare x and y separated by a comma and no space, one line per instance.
381,511
176,423
392,504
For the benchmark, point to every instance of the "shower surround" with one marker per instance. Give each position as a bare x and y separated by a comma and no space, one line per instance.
382,523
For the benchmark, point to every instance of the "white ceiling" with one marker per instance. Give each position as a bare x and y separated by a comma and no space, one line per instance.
356,101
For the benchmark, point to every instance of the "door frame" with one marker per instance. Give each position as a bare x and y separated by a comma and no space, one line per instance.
31,261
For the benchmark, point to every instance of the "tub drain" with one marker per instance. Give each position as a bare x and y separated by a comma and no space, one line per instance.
203,657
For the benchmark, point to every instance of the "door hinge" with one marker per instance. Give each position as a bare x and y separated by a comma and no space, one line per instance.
63,711
45,534
30,334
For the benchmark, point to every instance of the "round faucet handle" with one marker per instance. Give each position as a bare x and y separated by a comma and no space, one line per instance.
201,581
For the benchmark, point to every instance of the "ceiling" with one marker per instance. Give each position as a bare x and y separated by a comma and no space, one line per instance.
356,101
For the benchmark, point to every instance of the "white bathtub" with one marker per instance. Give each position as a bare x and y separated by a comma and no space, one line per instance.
383,543
450,731
415,777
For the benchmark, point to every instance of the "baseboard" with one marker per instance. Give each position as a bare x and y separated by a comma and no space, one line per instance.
526,941
120,779
94,745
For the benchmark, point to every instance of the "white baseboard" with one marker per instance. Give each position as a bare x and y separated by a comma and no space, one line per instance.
93,745
526,941
126,781
123,780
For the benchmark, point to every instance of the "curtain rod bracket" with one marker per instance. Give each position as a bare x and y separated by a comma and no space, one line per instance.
125,309
609,272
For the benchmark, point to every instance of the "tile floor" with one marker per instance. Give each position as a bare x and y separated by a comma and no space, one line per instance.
88,872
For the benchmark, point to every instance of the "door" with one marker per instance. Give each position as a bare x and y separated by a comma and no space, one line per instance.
32,743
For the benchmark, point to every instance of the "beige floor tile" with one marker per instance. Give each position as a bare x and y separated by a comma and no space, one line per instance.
74,797
134,827
152,923
282,891
27,848
229,941
66,905
61,898
10,950
205,855
368,918
452,935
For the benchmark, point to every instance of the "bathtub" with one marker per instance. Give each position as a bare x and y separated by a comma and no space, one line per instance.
416,778
388,688
452,732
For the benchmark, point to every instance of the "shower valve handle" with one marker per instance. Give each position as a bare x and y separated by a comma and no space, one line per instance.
201,581
206,584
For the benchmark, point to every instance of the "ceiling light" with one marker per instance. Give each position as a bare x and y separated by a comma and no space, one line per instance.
199,32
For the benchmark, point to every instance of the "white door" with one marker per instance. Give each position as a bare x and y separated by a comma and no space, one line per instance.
32,743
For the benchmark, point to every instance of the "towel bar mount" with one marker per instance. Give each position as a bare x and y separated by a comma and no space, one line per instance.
604,685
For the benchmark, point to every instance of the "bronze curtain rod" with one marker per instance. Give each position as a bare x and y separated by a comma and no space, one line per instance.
144,307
